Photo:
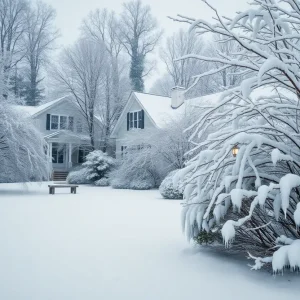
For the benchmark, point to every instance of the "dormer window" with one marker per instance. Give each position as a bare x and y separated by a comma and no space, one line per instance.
54,122
135,119
58,122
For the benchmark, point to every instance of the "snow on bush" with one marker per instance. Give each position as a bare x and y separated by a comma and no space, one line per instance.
98,165
78,176
252,198
95,169
102,182
168,190
131,175
152,153
23,155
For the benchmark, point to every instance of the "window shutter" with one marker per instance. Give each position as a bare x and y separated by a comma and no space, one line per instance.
128,121
48,122
143,119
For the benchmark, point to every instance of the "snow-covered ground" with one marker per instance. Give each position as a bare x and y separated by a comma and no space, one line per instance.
114,244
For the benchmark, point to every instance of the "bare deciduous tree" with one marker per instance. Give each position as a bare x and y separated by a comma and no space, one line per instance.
102,26
179,44
12,26
139,34
81,72
40,35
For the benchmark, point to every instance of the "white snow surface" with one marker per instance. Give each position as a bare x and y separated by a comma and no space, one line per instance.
161,112
33,110
115,244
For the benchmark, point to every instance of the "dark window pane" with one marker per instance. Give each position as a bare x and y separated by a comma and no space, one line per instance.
63,122
54,122
60,156
131,120
135,120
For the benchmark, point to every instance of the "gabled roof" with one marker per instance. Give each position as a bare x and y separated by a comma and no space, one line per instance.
159,109
36,110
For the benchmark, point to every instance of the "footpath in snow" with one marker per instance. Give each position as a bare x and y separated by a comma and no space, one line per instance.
115,244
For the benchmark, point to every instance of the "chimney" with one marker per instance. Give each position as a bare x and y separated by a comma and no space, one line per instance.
177,96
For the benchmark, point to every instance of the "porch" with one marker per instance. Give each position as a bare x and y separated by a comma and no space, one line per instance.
66,150
65,156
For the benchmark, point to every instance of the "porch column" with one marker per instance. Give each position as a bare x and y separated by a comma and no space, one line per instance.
70,155
50,151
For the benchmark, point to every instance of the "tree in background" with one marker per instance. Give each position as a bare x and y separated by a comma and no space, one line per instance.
81,73
178,45
39,36
12,27
226,78
185,72
139,34
101,26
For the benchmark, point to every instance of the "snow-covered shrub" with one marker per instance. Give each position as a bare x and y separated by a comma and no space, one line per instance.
131,175
152,153
168,190
98,165
253,198
23,155
78,176
95,169
102,182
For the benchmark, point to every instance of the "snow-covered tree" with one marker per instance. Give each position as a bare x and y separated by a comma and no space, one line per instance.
39,37
95,169
23,150
252,199
139,34
150,155
101,26
81,73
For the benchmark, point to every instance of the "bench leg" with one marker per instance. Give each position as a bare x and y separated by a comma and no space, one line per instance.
52,190
74,190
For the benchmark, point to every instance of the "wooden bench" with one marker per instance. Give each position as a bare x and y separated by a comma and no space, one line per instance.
52,187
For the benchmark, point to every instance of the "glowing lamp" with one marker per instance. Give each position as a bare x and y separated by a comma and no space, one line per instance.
235,150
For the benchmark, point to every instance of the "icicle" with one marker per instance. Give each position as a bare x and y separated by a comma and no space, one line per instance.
228,232
297,217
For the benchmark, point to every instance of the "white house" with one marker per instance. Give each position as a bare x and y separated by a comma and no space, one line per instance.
65,131
145,111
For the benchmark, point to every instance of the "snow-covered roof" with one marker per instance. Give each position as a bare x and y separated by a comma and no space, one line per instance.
34,110
160,109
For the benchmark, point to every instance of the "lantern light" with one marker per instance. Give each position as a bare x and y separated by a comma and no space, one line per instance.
235,150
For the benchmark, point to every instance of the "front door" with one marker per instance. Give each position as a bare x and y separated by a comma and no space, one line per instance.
58,155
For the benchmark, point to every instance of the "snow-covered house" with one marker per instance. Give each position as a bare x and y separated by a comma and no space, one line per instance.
145,111
65,131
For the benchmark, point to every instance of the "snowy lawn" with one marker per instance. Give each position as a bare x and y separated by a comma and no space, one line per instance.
114,244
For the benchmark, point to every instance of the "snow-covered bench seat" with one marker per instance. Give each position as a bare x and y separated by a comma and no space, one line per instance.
52,187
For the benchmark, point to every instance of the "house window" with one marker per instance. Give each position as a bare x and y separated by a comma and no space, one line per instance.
123,151
79,126
135,119
54,122
62,122
57,154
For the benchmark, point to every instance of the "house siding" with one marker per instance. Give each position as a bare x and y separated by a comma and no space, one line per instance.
122,133
65,108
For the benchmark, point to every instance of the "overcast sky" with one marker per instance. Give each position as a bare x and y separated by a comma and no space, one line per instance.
71,12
